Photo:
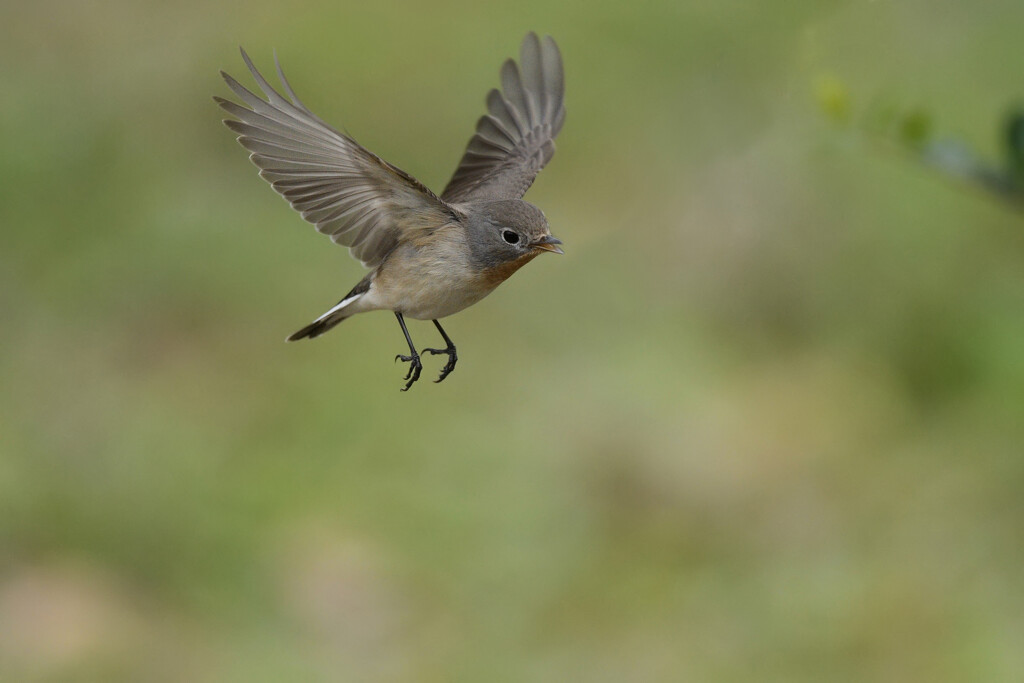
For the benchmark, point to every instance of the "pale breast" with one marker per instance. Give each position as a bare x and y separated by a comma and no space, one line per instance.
433,278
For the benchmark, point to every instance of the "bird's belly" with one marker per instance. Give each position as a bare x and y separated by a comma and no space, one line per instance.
439,299
429,283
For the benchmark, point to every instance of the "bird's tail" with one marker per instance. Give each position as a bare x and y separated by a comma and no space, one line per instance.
317,327
334,316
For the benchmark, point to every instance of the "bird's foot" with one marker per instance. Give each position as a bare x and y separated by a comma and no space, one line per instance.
415,367
453,358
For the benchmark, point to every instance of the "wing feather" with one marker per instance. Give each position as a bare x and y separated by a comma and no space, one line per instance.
346,191
515,140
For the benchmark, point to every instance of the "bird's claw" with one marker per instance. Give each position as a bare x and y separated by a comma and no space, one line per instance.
415,367
453,358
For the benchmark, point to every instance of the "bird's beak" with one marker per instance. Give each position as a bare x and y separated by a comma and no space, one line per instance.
548,243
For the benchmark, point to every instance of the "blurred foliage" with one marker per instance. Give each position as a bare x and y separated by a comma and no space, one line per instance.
913,131
761,422
1015,146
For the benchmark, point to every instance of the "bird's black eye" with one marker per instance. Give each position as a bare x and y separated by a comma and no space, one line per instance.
510,237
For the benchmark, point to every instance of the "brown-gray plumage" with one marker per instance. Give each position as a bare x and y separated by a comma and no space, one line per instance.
431,256
517,138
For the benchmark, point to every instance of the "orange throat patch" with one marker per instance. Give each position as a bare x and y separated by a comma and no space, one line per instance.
493,277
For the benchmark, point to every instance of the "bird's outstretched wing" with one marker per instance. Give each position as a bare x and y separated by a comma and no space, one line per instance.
346,191
517,138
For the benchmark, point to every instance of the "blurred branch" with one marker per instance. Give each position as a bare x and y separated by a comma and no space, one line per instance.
911,133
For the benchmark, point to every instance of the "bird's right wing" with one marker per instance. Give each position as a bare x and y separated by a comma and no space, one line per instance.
346,191
517,138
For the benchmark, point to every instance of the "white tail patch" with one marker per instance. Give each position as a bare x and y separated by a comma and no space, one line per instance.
341,304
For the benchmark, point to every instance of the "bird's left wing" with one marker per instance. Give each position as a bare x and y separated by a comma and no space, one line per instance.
346,191
516,138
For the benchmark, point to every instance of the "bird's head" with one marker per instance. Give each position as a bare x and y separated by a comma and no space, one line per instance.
507,232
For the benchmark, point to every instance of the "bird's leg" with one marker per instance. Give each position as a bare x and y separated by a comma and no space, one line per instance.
413,359
453,358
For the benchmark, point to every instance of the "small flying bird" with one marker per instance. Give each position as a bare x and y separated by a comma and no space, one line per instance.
430,256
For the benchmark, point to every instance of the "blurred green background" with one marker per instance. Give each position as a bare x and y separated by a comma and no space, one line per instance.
762,422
